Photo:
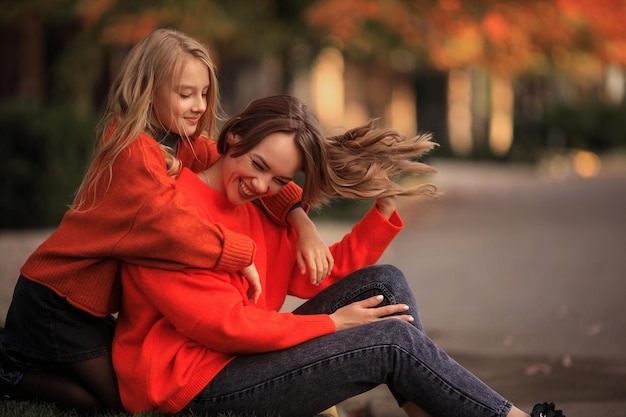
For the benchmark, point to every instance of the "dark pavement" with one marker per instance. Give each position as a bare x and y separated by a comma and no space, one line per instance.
520,275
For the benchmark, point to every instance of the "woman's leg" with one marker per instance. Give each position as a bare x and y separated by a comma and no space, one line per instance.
379,279
362,284
308,378
367,282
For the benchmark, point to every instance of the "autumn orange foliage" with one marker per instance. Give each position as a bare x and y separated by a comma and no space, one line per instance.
504,36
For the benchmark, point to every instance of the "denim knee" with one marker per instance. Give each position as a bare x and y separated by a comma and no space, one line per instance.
393,285
385,280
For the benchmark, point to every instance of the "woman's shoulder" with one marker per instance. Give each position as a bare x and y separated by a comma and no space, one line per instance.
197,153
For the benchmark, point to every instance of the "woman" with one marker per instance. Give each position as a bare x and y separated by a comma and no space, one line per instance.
192,341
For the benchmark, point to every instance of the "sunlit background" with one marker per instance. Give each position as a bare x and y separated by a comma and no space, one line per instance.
527,81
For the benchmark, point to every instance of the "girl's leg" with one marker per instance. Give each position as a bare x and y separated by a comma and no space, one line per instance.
85,385
98,377
63,352
64,392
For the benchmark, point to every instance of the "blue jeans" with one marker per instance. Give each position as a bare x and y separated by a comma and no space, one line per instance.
308,378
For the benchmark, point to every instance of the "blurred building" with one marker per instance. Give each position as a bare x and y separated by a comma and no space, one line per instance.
470,112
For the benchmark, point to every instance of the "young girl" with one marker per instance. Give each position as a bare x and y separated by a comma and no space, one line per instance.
192,341
58,330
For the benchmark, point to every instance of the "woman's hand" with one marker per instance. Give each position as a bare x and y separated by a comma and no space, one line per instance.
387,205
362,312
251,275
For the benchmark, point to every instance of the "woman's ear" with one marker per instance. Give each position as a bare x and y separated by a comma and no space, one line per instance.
233,138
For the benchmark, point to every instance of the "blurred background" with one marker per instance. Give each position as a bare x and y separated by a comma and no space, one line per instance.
518,81
518,268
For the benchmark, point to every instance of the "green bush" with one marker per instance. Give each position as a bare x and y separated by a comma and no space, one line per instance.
45,152
594,125
44,155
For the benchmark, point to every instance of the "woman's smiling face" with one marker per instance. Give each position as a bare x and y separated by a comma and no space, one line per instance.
262,171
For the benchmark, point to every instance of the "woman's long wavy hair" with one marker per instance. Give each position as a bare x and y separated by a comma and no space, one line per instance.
156,60
362,163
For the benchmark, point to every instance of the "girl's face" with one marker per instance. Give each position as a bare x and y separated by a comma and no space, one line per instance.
178,105
263,171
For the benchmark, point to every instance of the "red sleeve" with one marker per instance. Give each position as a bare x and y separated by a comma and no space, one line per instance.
211,308
155,226
204,153
361,247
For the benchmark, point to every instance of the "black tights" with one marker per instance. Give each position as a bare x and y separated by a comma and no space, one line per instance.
85,386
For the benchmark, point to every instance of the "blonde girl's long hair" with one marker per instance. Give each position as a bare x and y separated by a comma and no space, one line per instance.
153,62
363,163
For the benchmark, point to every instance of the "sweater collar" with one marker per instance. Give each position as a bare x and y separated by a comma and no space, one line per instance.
210,197
169,139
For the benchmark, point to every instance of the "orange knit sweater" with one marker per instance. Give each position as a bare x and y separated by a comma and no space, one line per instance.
177,329
144,220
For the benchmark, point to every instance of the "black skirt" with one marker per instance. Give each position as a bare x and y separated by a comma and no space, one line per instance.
43,328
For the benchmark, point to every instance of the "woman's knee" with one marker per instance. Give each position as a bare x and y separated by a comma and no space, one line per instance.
379,275
392,282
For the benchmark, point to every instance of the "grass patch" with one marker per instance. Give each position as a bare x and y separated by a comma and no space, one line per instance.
35,409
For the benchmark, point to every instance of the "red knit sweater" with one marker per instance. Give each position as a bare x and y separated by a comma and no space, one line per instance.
177,329
144,220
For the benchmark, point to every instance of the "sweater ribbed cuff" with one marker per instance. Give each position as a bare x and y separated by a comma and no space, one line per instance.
237,253
278,206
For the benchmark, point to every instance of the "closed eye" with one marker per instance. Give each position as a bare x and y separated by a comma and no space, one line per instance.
260,167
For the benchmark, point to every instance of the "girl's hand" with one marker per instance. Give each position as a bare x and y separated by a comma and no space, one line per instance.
387,205
311,251
313,254
362,312
251,275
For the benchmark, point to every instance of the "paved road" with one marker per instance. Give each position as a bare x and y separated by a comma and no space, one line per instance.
522,278
530,273
519,275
